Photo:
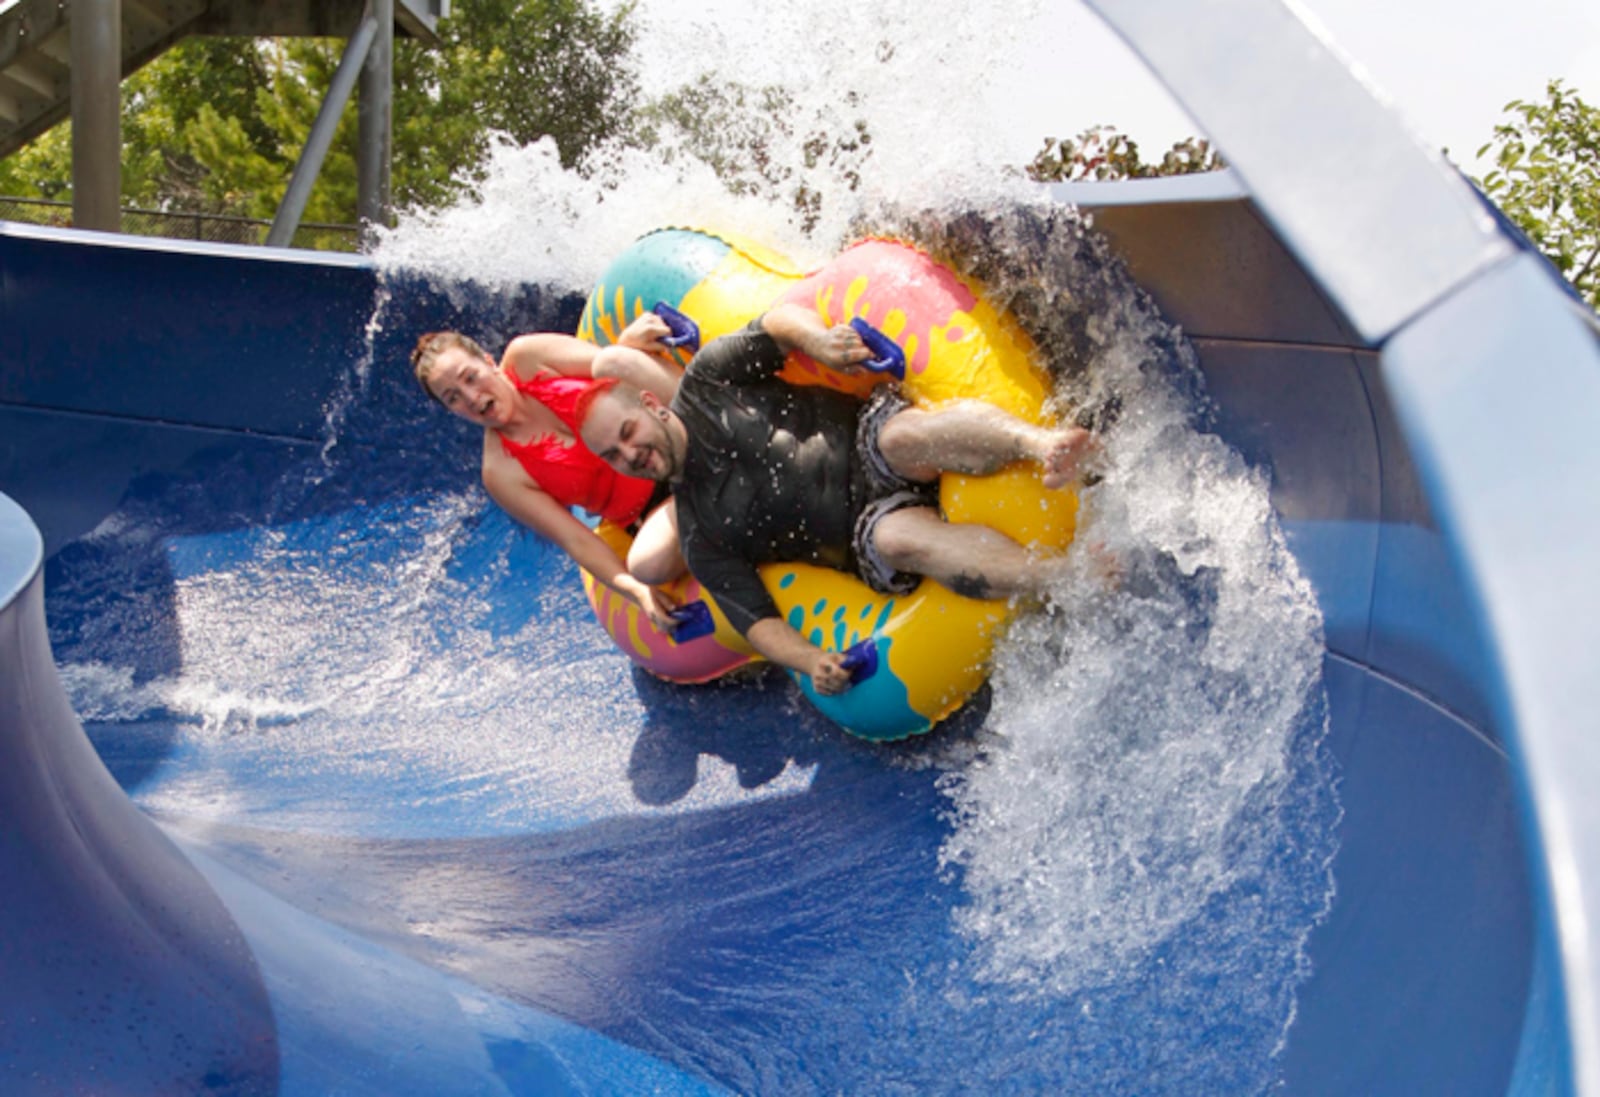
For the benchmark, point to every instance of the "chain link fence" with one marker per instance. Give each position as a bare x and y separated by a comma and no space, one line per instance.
216,228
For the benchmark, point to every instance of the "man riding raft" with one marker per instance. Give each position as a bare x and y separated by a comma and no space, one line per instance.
763,471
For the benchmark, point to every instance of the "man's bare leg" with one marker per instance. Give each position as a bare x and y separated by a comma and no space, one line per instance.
972,560
979,439
655,557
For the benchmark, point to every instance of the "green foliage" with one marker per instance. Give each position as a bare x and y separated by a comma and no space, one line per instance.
524,69
551,68
165,111
215,125
41,170
1547,179
1102,152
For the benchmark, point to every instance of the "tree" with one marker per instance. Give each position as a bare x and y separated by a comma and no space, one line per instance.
41,169
1102,152
216,125
531,69
177,112
1546,178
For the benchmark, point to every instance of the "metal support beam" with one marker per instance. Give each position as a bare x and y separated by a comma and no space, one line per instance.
25,25
375,120
97,114
139,11
293,205
34,73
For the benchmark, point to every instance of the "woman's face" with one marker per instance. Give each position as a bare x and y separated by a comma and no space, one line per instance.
472,387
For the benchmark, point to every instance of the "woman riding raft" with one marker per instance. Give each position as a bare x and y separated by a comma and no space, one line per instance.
886,530
536,467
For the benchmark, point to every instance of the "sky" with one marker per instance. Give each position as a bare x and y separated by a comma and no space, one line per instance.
1448,66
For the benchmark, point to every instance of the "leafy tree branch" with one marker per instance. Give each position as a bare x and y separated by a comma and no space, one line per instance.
1103,152
1546,178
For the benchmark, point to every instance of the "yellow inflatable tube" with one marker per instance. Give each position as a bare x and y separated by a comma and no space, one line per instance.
933,645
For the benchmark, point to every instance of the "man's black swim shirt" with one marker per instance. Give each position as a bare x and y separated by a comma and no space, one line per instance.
770,475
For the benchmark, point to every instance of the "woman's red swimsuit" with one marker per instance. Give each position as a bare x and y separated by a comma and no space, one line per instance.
571,474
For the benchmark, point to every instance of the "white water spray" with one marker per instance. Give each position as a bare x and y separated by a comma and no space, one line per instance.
1141,738
915,82
1147,742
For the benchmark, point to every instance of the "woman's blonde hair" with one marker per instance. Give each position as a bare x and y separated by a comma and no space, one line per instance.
434,343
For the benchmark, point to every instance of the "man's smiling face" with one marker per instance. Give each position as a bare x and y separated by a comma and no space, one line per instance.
636,435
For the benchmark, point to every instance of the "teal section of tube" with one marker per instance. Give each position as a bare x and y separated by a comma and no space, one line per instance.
878,708
663,266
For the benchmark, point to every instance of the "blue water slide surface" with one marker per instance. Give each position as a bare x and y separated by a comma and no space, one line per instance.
197,904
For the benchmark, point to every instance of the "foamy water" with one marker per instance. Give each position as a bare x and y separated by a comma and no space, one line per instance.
1156,729
375,649
896,95
1148,804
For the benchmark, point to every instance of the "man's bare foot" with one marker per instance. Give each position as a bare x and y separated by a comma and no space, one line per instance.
1105,566
1066,455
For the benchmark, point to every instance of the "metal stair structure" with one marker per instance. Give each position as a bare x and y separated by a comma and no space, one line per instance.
50,70
35,43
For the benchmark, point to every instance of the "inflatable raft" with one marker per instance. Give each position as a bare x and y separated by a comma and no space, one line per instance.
921,655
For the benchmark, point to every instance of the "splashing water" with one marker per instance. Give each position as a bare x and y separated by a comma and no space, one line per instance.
323,663
1154,731
917,84
1138,839
1151,785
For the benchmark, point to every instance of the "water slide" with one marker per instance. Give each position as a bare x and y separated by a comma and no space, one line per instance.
448,841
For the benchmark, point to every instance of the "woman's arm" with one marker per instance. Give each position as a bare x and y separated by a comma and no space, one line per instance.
640,370
572,357
528,354
517,494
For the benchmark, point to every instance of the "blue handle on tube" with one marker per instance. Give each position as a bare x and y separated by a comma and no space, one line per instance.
693,620
685,332
861,660
887,357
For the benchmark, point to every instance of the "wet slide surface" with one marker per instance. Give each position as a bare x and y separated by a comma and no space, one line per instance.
466,842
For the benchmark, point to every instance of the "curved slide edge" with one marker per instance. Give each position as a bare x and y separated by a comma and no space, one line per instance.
1493,374
1293,117
135,966
1492,467
166,994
